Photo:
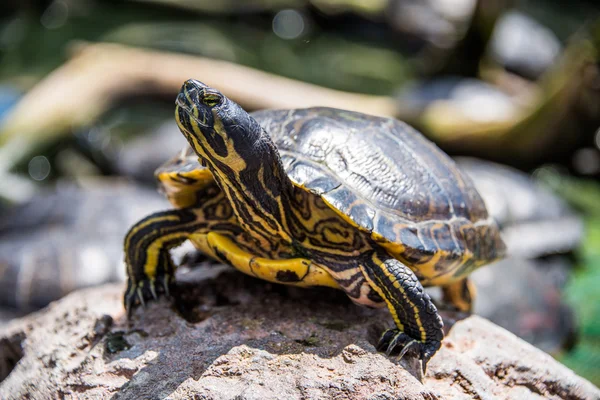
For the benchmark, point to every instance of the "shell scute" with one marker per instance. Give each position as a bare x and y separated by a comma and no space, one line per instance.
343,198
441,233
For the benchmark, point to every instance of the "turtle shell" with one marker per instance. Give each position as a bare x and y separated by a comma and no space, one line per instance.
386,178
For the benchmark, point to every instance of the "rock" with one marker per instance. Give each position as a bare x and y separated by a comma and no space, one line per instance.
513,199
524,297
233,336
523,45
141,156
522,293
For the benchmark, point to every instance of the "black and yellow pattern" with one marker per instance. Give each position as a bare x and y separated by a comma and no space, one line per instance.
318,197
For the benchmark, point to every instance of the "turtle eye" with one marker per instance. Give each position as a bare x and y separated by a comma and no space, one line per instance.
211,99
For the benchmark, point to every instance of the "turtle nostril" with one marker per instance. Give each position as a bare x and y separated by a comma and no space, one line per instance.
189,85
193,84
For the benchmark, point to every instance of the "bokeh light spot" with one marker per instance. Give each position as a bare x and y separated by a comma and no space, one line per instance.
288,24
39,168
587,161
55,15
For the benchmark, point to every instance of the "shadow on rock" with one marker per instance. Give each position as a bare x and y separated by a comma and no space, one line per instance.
231,325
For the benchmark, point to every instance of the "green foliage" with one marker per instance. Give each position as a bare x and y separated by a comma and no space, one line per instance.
582,290
583,295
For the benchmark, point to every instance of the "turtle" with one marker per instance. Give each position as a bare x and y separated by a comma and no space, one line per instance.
319,197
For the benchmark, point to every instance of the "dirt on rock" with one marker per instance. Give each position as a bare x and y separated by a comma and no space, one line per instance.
235,337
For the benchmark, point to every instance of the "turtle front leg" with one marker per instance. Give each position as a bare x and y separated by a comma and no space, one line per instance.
150,269
418,324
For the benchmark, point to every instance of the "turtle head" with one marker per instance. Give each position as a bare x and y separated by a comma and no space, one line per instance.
217,128
240,155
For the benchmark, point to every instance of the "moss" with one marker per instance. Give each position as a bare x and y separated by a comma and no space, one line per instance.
311,341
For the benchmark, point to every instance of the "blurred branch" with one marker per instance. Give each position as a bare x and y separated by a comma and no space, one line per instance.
464,58
97,75
227,6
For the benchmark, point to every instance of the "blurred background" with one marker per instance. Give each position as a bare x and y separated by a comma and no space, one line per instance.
510,88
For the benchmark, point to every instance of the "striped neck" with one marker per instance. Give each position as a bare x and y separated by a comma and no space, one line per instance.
258,188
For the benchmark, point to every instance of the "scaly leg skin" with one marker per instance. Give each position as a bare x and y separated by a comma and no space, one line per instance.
150,269
460,295
418,324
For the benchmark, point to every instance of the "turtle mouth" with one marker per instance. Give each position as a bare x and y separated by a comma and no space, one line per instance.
183,102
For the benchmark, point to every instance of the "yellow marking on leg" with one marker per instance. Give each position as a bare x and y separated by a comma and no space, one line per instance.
346,273
364,300
390,299
385,297
268,269
138,227
153,251
356,281
200,241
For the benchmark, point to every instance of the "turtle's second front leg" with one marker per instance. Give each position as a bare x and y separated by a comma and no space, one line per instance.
418,324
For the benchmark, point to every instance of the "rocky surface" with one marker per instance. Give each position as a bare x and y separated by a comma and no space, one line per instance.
233,337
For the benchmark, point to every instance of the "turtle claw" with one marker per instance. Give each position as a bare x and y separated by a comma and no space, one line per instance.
397,343
139,293
166,283
153,291
140,296
129,302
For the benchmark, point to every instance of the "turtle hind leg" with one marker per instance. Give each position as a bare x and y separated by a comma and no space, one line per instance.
150,269
418,324
459,295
